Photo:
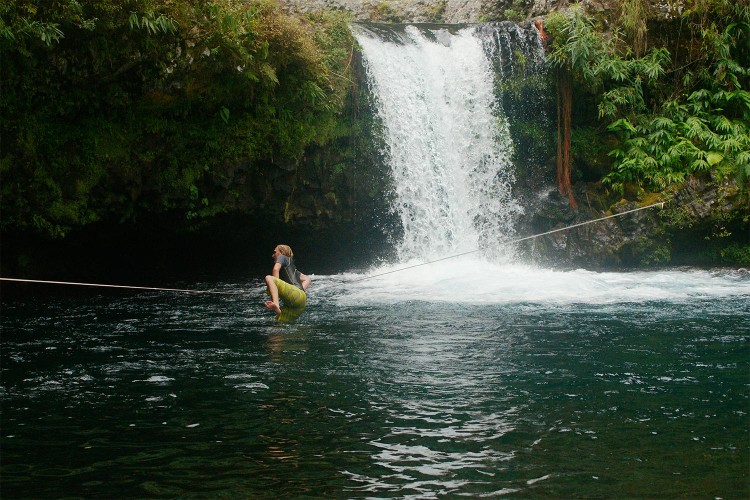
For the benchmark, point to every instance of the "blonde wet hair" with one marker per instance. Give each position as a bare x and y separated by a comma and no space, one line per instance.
285,250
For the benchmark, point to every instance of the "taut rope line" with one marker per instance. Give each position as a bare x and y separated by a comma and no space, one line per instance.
660,204
182,290
101,285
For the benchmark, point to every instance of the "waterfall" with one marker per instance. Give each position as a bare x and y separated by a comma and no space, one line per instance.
445,133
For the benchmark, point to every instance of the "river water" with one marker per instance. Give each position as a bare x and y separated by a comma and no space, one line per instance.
422,383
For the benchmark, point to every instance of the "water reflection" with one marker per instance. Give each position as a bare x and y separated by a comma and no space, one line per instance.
284,341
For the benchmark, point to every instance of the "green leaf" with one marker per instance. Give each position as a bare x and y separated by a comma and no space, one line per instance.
714,157
621,124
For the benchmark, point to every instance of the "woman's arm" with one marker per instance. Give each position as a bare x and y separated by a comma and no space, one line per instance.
276,269
304,281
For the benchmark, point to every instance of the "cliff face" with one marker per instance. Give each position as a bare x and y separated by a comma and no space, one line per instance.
703,222
450,11
471,11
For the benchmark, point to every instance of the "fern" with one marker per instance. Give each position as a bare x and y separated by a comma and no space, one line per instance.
690,132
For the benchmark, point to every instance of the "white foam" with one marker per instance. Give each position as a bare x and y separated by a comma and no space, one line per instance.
157,379
469,280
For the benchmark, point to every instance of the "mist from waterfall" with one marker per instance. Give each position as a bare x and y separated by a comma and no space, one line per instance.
445,134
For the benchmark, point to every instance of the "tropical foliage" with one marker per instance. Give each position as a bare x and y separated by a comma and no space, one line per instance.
115,109
669,128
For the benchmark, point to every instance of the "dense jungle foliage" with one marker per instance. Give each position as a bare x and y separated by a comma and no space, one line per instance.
116,109
675,114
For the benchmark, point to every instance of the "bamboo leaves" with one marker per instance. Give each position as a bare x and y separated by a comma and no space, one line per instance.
47,33
152,23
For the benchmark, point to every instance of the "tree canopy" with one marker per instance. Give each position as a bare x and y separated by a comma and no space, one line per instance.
116,109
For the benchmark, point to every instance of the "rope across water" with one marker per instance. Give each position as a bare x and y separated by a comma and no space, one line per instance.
182,290
102,285
660,204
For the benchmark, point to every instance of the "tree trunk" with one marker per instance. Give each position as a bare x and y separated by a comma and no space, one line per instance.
564,113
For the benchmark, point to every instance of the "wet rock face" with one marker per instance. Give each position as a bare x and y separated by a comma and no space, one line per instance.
679,233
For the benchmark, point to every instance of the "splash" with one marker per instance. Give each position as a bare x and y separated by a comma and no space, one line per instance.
470,281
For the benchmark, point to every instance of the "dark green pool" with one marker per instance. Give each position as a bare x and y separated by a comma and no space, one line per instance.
163,395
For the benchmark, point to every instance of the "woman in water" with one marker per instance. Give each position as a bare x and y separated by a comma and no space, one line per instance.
287,283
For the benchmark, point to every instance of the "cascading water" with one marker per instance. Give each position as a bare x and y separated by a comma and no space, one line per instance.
445,133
